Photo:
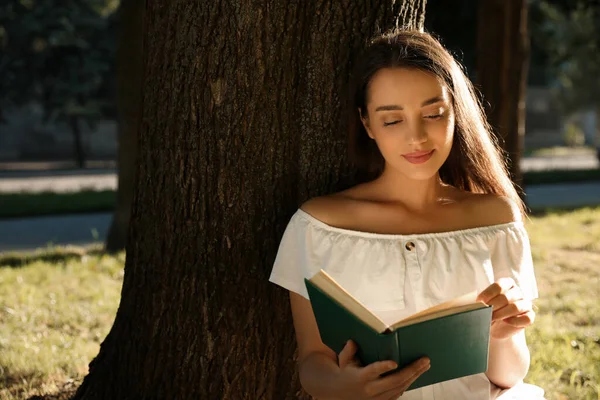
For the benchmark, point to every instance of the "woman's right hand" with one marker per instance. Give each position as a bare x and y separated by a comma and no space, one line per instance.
361,383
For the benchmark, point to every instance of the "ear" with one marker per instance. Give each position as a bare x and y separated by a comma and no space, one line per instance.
365,122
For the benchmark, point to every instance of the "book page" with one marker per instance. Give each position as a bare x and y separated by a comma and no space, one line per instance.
459,304
327,284
333,289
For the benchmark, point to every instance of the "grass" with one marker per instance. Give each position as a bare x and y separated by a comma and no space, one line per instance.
565,339
561,176
53,317
14,205
56,308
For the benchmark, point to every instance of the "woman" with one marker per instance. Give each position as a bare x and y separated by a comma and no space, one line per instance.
439,218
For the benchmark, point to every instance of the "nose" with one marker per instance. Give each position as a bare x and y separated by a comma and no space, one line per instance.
417,134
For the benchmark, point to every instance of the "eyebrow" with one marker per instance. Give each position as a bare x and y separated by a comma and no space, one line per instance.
393,107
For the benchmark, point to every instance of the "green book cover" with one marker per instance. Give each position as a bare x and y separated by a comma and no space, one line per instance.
457,344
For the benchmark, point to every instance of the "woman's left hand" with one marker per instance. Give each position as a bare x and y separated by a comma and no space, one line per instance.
511,312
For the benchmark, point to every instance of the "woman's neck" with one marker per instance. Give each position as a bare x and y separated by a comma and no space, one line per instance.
417,195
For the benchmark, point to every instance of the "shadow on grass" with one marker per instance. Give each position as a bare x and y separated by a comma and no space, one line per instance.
51,255
66,392
64,395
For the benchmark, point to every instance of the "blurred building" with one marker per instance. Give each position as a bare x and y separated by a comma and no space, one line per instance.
547,126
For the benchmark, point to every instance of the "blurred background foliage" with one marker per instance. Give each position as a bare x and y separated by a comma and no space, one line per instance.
59,54
565,37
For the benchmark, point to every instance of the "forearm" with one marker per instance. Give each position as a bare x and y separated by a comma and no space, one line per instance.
317,374
508,360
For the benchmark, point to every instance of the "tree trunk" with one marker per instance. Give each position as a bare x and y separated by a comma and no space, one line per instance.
77,142
502,64
241,123
129,69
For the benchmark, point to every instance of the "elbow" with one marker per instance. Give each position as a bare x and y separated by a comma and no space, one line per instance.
521,368
506,382
514,374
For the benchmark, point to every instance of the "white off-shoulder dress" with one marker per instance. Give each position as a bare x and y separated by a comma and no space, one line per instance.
398,275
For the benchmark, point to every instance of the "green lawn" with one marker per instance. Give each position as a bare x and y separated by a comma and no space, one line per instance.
53,317
561,176
14,205
565,339
55,309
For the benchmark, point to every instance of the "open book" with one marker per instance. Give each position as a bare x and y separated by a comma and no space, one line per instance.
454,335
328,285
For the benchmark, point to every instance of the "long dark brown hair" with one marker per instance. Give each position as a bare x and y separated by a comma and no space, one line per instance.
475,162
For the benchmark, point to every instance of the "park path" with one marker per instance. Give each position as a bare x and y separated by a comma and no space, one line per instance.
57,181
31,233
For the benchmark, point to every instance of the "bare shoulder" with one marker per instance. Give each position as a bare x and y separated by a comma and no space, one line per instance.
334,209
329,209
491,209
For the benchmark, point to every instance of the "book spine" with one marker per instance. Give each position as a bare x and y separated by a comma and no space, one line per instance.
389,348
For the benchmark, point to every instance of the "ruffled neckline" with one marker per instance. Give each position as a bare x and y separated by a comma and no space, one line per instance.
393,236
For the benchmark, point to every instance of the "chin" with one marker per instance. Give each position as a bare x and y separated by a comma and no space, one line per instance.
419,172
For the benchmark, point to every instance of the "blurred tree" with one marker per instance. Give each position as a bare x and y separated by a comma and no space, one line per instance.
58,53
129,72
568,33
242,121
502,61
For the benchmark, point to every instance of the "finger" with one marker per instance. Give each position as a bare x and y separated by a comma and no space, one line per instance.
374,370
390,395
510,296
397,391
346,356
521,321
512,310
406,374
496,288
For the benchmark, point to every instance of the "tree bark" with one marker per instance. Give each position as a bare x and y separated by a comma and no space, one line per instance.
502,64
129,70
241,122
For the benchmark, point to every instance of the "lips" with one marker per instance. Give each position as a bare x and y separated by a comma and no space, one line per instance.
418,157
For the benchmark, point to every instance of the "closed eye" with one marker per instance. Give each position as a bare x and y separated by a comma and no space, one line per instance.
436,116
391,123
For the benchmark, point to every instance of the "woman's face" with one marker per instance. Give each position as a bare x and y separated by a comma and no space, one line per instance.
410,117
